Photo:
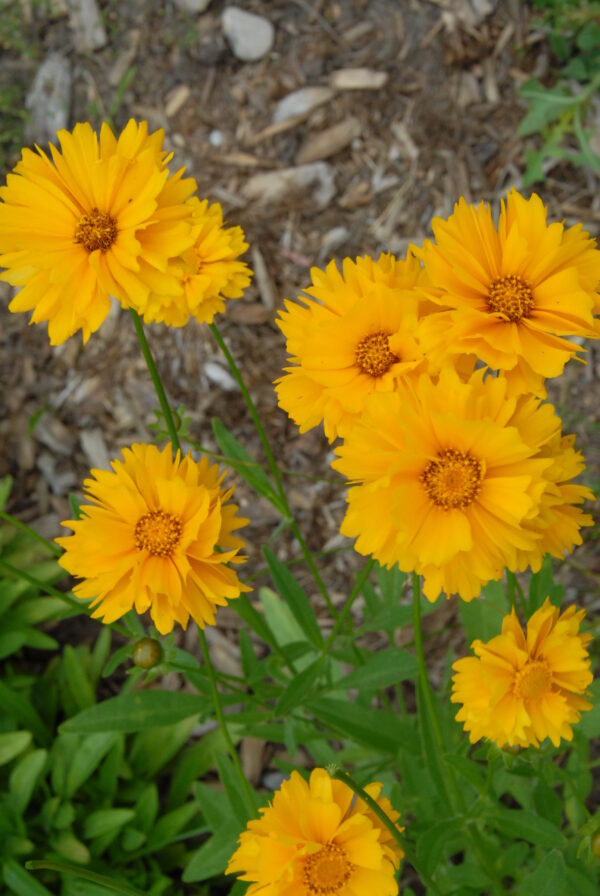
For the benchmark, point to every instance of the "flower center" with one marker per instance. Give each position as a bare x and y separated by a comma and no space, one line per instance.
453,480
98,230
511,297
532,681
327,870
158,532
373,354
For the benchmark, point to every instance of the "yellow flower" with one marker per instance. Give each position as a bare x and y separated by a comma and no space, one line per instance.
158,535
208,271
444,482
514,292
101,217
315,838
523,687
357,334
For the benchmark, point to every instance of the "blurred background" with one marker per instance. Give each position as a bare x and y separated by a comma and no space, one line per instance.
326,128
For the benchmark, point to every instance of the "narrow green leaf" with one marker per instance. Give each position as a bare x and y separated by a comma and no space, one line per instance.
13,743
255,620
298,688
24,776
21,882
548,879
524,825
382,669
482,618
378,729
86,759
5,487
115,886
105,821
194,763
429,746
231,785
212,857
168,827
77,680
246,466
135,712
295,597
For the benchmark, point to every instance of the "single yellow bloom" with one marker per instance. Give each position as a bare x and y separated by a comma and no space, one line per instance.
522,687
357,334
514,291
101,217
448,480
209,271
316,838
157,535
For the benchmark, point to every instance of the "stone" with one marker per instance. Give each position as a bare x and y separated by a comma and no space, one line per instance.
49,100
301,102
194,7
250,36
358,79
85,19
326,143
317,180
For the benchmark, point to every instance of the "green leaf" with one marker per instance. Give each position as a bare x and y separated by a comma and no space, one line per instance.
12,744
280,618
382,669
246,466
135,712
375,728
23,778
546,106
105,821
5,487
435,842
548,879
86,759
194,763
482,618
78,683
523,825
429,745
298,688
231,784
168,827
75,504
467,769
21,882
295,597
154,748
254,619
212,857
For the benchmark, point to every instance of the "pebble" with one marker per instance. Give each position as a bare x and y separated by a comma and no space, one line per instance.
301,102
220,376
49,100
326,143
250,36
85,19
215,138
358,79
317,180
195,7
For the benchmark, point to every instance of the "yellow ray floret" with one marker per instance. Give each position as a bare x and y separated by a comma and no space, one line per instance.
450,480
101,216
316,838
522,687
356,334
157,535
512,292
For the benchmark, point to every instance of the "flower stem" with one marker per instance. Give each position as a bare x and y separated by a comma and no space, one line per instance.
453,791
246,789
273,468
156,380
389,824
170,422
341,619
108,883
18,524
514,588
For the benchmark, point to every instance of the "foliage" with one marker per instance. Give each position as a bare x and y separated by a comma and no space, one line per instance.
561,113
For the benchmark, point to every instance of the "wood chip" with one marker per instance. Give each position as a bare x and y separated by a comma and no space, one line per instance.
316,180
264,281
94,447
358,79
326,143
302,102
176,99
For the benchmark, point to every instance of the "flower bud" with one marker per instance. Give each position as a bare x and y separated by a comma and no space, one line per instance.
147,653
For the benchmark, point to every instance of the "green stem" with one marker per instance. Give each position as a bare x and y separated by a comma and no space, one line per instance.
273,468
348,605
453,791
388,823
18,524
156,380
168,416
513,588
246,789
84,874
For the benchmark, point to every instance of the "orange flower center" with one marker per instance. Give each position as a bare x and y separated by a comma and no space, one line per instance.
453,480
373,354
158,532
511,297
533,680
98,230
327,870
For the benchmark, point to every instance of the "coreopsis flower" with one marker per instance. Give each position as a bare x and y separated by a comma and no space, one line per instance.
522,687
357,334
514,292
316,838
209,271
157,534
100,217
443,482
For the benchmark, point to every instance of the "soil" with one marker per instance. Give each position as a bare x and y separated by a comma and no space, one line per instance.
443,125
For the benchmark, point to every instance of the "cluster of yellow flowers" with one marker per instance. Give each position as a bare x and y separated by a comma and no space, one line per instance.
105,217
431,371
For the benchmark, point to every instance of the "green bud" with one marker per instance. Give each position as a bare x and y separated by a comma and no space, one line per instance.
147,653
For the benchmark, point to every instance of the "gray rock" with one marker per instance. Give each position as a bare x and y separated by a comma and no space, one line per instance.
301,102
49,100
195,7
317,180
250,36
86,22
